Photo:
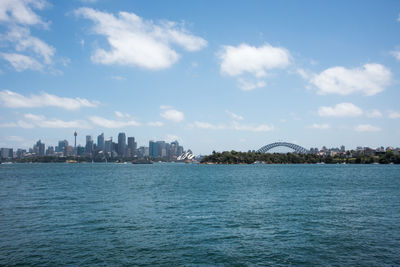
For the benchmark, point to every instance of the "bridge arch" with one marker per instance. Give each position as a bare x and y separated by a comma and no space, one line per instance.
297,148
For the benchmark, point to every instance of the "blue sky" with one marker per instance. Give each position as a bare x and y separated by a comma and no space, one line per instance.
215,75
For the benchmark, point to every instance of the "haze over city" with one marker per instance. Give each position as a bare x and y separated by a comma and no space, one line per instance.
212,75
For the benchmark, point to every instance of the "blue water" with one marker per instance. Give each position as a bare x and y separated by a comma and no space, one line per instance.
177,214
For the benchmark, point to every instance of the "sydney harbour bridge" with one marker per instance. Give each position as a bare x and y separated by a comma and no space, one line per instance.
297,148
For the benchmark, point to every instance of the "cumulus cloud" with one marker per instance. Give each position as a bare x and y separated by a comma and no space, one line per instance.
234,116
155,123
396,54
172,115
20,11
107,123
135,41
21,62
323,126
233,126
373,113
252,128
367,128
12,99
247,85
369,80
207,125
255,61
340,110
119,114
29,52
394,114
31,121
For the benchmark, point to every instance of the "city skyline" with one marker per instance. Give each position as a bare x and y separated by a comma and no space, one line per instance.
216,76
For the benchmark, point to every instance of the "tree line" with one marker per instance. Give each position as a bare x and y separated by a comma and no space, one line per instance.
235,157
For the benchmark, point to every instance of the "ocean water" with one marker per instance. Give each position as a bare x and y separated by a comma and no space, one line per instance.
186,214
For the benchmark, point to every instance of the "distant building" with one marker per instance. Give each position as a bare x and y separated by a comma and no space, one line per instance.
89,145
100,142
7,153
108,145
121,144
39,148
61,146
153,149
132,146
50,151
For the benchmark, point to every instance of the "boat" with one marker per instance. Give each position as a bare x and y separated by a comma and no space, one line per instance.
142,161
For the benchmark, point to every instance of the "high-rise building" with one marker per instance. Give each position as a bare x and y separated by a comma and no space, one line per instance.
121,144
100,142
153,149
89,144
50,151
39,148
7,153
108,145
132,146
61,146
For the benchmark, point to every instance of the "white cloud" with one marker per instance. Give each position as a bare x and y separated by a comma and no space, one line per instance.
23,41
256,61
172,115
11,99
206,125
373,113
396,54
252,128
43,122
394,114
246,85
21,62
340,110
234,116
367,128
166,107
18,16
103,122
234,126
20,11
370,79
323,126
155,123
118,78
31,121
137,42
119,114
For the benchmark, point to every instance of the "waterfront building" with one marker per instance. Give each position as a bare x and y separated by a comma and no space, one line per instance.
89,144
121,144
132,147
7,153
39,148
108,145
50,151
100,142
153,149
61,146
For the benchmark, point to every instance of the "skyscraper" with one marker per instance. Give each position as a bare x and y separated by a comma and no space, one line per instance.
121,144
153,149
89,144
100,142
132,146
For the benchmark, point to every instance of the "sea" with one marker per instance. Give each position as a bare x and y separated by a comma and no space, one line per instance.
171,214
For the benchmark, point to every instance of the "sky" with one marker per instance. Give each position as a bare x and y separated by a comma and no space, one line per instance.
214,75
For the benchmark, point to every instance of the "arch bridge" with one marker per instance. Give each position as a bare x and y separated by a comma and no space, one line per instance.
297,148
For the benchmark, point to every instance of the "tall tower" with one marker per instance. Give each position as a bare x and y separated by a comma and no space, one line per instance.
75,134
